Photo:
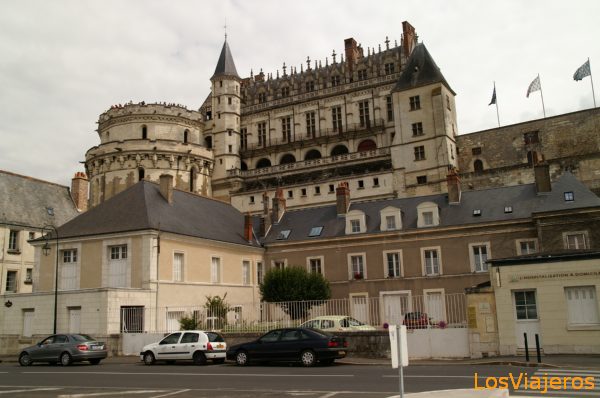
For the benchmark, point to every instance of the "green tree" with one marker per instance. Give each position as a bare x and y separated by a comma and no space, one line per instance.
188,323
294,284
216,311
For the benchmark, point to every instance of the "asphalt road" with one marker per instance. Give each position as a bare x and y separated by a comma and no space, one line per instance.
224,381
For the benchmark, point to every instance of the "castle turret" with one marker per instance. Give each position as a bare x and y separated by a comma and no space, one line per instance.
226,104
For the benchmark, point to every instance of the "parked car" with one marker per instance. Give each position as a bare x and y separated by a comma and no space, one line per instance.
416,320
307,346
64,349
338,323
195,345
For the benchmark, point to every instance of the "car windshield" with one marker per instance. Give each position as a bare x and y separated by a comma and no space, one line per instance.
215,337
82,337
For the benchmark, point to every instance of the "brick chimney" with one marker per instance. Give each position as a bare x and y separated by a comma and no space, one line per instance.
352,53
342,195
79,191
278,206
453,182
166,187
248,227
265,219
542,178
409,38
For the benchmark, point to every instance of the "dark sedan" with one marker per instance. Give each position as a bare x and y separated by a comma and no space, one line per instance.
307,346
64,349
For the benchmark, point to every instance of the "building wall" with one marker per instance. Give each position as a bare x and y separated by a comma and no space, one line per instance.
20,260
549,281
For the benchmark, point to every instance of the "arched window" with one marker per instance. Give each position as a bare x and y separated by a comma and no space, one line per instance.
264,162
287,158
186,136
312,154
208,142
144,132
478,166
339,150
193,179
243,166
141,174
366,145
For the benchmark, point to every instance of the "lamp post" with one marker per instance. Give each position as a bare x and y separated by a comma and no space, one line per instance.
46,250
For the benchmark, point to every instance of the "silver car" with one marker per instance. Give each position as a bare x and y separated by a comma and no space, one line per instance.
64,349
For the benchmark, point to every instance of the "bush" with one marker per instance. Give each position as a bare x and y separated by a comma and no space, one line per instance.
188,323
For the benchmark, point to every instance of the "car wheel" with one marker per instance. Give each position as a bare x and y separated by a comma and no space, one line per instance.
95,361
327,361
25,359
218,360
308,358
241,358
149,358
65,359
199,358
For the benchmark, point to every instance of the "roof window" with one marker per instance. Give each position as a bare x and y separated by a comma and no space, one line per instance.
476,212
569,196
283,235
315,231
508,209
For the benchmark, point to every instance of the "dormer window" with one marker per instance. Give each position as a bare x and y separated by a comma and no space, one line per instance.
355,222
428,215
355,226
569,196
428,218
508,209
391,219
476,212
315,231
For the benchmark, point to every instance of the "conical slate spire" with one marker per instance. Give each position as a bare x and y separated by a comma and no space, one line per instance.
225,65
420,70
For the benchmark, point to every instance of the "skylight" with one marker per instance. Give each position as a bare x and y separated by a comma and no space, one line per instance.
315,231
569,196
476,212
283,235
508,209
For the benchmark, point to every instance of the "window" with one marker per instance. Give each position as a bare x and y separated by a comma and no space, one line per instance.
315,231
29,275
309,86
290,194
431,262
285,92
286,129
331,188
582,305
479,255
144,132
315,265
246,269
476,151
229,148
118,252
69,275
362,74
508,209
390,223
279,264
178,267
317,190
575,240
526,246
336,117
390,108
417,129
186,136
228,100
420,152
393,264
569,196
13,240
118,266
283,235
363,113
31,235
428,214
262,134
11,282
69,256
531,137
428,218
310,125
262,98
251,200
389,68
335,81
132,319
525,305
260,272
477,213
375,182
357,266
215,270
421,180
355,226
244,138
361,184
303,192
415,103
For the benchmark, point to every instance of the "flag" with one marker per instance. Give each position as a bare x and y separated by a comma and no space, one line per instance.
534,86
582,71
493,101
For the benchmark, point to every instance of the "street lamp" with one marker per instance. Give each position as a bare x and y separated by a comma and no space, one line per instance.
46,250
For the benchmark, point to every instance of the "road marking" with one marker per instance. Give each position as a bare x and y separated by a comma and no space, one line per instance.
99,394
331,394
192,374
29,390
171,393
433,377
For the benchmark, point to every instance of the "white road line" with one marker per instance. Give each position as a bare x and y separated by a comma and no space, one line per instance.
99,394
29,390
171,393
191,374
331,394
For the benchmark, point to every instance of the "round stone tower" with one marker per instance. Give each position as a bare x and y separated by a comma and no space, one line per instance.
143,141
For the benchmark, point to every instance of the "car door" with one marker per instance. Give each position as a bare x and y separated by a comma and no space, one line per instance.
266,347
43,349
289,345
167,347
190,342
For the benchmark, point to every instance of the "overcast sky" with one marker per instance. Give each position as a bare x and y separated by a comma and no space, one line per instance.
64,62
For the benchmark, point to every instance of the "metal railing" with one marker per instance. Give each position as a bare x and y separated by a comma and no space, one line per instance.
416,312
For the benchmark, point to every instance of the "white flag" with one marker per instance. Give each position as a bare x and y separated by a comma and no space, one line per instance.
534,86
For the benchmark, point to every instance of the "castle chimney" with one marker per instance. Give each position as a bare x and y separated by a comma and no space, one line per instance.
409,38
278,206
166,187
265,219
542,178
342,194
248,227
454,192
352,53
79,191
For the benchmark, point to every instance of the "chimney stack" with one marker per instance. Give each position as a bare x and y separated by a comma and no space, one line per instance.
352,53
453,182
342,195
248,227
265,219
278,206
79,191
166,187
409,38
542,178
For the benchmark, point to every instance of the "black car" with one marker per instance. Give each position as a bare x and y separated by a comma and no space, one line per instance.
64,349
304,345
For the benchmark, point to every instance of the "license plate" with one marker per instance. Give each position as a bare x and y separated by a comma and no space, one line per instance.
342,352
219,346
97,347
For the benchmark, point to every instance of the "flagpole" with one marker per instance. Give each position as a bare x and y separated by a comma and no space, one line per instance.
497,114
542,95
592,81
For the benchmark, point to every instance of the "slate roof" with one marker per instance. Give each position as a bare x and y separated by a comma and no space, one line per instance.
225,65
25,201
523,199
142,207
420,70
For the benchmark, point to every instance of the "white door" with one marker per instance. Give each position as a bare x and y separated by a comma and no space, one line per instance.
173,318
27,323
360,308
74,320
526,318
435,307
395,305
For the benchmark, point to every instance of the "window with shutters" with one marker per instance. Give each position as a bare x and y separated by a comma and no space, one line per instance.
69,270
178,267
582,306
215,270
